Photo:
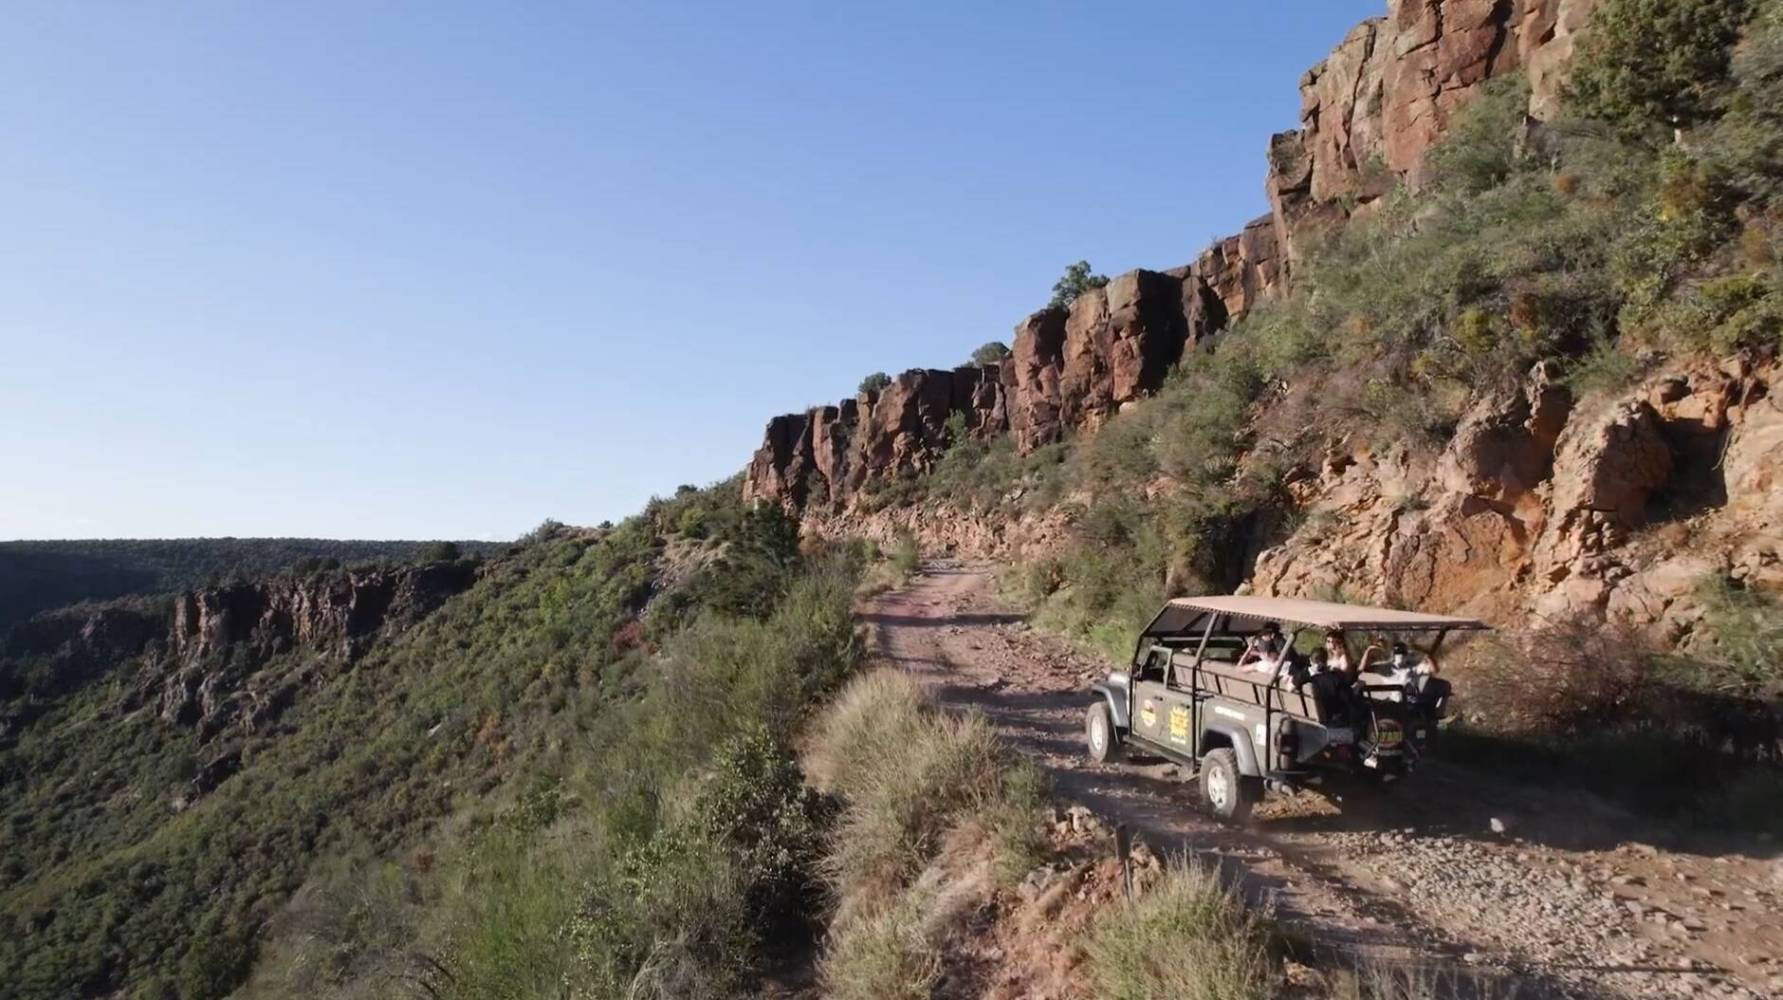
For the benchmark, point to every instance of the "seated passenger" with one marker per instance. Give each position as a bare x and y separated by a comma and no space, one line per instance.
1332,690
1264,652
1413,673
1299,671
1337,652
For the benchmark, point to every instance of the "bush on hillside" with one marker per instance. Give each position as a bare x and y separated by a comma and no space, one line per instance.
1648,63
875,382
1077,279
990,354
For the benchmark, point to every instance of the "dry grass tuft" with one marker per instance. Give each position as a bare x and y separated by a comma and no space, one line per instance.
1189,938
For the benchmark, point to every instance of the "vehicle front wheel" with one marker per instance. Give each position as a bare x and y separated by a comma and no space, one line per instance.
1228,793
1099,733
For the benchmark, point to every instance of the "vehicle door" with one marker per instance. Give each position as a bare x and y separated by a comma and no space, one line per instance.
1150,690
1164,707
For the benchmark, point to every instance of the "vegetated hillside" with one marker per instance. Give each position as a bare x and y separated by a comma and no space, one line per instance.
1475,360
172,773
40,575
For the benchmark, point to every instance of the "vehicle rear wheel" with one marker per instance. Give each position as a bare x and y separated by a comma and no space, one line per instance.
1228,793
1099,733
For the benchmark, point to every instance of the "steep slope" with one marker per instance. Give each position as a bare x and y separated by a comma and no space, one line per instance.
172,771
1369,115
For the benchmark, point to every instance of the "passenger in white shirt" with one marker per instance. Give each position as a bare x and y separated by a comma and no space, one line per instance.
1402,670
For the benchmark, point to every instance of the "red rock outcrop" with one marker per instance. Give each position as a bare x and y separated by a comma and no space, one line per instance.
1369,114
1030,379
1612,511
828,452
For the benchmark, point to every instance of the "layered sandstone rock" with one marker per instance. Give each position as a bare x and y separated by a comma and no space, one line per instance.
1031,379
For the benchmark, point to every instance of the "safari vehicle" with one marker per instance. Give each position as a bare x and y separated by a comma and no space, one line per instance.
1185,699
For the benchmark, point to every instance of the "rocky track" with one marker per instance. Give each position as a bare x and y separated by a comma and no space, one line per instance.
1543,893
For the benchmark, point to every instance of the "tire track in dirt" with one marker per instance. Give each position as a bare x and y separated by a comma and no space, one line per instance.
1570,905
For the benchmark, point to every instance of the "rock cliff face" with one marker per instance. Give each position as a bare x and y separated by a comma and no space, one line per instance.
1372,109
1608,512
1369,114
334,613
198,663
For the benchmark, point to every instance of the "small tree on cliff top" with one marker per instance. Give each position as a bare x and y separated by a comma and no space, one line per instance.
875,382
990,354
1078,279
1656,62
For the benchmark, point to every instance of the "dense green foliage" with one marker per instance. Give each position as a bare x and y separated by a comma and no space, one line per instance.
1656,62
874,382
1077,279
692,633
672,851
37,576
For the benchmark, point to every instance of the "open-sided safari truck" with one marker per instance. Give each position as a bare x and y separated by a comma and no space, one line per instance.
1186,699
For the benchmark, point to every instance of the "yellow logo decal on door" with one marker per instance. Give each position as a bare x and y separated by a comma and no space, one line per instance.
1179,724
1148,713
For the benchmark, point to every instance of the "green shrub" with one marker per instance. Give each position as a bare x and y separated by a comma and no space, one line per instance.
990,353
1478,152
1743,632
1078,279
876,382
1606,368
907,774
906,554
755,804
1188,938
1648,63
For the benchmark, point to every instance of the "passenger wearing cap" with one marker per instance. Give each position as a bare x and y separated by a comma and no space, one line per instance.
1263,653
1401,669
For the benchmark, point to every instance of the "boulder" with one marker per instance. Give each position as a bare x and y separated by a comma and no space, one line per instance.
1607,463
1504,446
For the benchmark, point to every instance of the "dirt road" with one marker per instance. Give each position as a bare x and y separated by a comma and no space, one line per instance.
1560,895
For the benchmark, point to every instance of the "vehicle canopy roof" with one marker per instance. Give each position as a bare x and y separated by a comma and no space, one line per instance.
1186,612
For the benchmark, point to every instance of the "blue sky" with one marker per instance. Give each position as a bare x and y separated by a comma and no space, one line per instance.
421,270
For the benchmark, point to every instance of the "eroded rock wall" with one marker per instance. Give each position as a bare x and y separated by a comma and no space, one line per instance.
198,663
1611,510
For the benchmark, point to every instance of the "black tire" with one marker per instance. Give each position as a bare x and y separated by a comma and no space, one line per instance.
1228,793
1099,734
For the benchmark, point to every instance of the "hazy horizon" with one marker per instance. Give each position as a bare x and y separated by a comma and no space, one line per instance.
333,272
